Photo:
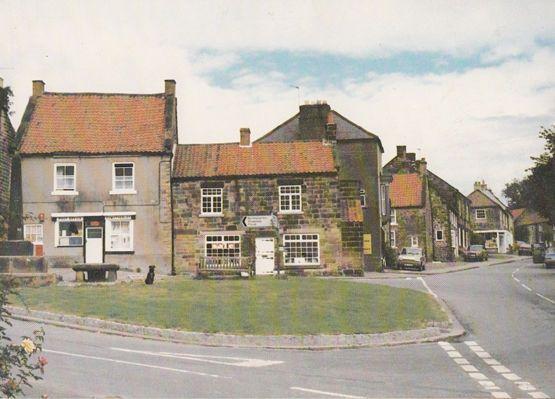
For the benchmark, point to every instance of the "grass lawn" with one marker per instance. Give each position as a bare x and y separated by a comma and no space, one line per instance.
260,306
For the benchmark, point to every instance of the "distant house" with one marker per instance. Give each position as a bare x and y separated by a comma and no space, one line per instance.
531,227
269,206
96,176
358,154
7,147
492,219
426,211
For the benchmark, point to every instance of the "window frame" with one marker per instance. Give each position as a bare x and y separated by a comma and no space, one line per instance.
212,196
57,235
442,235
393,239
61,191
25,232
285,240
393,217
485,214
413,241
115,190
108,232
237,241
290,196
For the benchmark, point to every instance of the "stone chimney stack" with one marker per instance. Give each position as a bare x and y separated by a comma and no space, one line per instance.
411,156
480,185
169,87
331,128
402,151
313,120
38,88
421,166
245,140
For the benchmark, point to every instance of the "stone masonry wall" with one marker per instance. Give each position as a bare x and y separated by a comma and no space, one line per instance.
410,222
257,196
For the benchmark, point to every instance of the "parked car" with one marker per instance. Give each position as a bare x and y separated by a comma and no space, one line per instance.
476,252
411,258
549,259
524,248
538,253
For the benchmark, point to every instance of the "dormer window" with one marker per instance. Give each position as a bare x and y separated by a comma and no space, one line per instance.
65,179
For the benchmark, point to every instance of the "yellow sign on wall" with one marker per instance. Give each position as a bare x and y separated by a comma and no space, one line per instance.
367,244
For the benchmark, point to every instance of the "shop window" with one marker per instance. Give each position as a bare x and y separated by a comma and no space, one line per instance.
301,249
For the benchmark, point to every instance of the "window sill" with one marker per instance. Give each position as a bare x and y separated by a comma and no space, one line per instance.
122,192
56,192
120,252
211,215
290,212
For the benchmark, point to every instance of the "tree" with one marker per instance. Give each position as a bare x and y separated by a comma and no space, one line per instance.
18,362
6,95
537,190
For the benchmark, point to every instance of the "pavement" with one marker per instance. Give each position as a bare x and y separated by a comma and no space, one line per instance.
509,352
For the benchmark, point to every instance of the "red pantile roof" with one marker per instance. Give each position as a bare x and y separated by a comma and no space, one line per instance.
406,190
95,124
214,160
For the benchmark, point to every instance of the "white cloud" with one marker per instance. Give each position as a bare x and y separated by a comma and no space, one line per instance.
480,123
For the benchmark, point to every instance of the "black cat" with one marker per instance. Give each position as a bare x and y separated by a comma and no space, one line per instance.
150,276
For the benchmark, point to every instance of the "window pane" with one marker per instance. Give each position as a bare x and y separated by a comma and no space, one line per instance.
70,233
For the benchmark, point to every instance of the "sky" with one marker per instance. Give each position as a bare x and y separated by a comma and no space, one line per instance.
465,84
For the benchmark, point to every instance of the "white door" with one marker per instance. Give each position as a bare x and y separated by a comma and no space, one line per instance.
264,255
93,245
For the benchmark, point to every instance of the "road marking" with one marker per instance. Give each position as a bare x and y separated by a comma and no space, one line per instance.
483,355
476,348
152,366
471,343
500,395
501,369
469,368
454,354
538,395
461,361
525,286
240,361
546,298
525,386
488,384
478,376
491,362
339,395
427,288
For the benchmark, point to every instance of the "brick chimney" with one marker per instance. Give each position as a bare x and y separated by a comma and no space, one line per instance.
38,88
313,120
169,87
421,166
411,156
480,185
402,151
331,128
245,140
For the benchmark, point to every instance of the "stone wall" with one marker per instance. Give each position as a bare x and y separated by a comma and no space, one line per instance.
410,222
442,249
492,221
7,141
257,196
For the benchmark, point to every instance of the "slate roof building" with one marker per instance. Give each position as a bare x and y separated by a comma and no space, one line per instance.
492,219
426,211
7,149
358,154
531,227
290,195
96,176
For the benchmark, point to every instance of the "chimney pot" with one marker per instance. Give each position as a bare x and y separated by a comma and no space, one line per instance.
401,151
245,139
169,87
38,88
422,166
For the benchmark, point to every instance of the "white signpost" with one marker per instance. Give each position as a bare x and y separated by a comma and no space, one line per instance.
259,221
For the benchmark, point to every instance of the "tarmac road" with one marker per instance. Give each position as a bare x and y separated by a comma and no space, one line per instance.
509,352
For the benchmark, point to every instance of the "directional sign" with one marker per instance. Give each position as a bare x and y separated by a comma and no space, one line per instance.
258,221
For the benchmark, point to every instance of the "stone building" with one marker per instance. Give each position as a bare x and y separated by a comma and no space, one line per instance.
427,212
96,176
358,155
278,205
531,227
7,149
492,219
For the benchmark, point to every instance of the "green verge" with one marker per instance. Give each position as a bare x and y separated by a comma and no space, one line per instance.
261,306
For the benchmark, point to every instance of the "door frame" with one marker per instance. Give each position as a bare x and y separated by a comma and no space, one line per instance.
274,251
85,242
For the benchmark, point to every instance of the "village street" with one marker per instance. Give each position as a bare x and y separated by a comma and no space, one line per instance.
509,351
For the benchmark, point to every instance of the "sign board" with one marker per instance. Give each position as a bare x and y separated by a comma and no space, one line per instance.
367,244
258,221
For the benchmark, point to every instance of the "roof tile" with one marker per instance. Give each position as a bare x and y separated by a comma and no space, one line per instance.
406,190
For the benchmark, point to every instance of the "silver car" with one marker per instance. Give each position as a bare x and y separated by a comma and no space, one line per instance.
411,258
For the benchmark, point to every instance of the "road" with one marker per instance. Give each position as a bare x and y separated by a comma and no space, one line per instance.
508,353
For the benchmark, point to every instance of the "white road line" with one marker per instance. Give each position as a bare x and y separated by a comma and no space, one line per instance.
467,367
546,298
500,395
427,288
526,287
511,376
476,348
488,384
471,343
516,279
491,362
478,376
538,395
461,361
525,386
241,361
501,369
152,366
339,395
453,354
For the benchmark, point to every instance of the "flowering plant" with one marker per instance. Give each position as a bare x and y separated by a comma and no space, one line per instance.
18,363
